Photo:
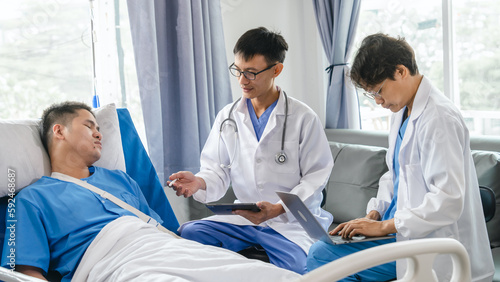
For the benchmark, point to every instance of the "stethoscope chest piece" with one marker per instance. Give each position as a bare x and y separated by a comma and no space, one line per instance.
280,158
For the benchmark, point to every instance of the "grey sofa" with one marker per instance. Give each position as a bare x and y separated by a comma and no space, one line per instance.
360,161
359,158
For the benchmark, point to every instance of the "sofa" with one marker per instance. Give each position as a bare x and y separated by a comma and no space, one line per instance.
359,158
360,161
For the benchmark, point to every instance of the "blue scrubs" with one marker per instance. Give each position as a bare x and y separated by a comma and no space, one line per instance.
281,251
322,253
57,220
259,123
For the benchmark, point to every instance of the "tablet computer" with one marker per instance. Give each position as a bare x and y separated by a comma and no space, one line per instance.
229,208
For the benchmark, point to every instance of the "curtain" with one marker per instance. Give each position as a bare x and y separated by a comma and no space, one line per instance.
337,21
183,79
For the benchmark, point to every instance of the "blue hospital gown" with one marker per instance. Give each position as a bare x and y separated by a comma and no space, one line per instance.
57,220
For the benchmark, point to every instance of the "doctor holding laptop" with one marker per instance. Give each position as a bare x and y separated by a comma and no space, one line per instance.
431,188
265,142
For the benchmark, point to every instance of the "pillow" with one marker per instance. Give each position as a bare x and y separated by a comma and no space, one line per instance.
112,151
354,179
24,159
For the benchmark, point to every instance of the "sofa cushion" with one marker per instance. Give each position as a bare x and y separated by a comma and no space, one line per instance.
348,190
354,179
488,174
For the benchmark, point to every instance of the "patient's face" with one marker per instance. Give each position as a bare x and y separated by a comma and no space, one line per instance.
84,138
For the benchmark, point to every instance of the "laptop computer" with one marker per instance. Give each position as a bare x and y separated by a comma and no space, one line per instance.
312,226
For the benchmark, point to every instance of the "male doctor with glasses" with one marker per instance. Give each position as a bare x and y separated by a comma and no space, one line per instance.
262,143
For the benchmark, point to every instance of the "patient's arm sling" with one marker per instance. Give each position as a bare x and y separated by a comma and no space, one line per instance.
146,218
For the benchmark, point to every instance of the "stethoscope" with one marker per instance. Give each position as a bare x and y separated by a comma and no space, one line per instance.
280,157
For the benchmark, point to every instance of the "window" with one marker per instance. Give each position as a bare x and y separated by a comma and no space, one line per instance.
477,39
46,51
474,41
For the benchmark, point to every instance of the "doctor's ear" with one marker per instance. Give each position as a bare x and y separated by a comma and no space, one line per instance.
402,71
277,69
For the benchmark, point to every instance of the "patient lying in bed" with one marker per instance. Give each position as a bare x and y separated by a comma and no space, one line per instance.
64,227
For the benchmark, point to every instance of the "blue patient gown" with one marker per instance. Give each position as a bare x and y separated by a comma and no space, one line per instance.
322,253
57,220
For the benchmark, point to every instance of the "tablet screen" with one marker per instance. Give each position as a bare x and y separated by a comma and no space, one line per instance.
228,208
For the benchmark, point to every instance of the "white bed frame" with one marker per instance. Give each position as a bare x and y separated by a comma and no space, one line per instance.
8,275
420,255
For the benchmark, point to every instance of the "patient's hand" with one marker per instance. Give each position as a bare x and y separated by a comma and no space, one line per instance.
31,271
267,211
187,183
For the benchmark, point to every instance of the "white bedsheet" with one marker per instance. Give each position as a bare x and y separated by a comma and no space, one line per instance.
130,250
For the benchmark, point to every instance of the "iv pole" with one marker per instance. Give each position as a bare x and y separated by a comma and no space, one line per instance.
95,98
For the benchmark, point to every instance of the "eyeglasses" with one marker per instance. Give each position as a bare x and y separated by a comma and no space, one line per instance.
248,74
373,95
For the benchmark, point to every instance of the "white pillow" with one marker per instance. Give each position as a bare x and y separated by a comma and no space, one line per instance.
112,150
23,160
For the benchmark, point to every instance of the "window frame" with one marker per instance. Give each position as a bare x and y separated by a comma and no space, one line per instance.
450,74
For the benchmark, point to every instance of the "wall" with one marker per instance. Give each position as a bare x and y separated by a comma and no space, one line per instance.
303,76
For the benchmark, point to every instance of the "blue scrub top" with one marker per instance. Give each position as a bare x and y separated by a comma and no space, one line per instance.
391,210
259,124
57,220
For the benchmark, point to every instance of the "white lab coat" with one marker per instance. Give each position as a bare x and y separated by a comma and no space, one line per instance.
254,173
438,195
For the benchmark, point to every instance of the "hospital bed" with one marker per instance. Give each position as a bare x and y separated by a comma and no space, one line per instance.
23,161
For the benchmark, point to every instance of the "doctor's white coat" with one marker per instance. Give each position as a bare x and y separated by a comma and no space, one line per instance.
254,173
438,195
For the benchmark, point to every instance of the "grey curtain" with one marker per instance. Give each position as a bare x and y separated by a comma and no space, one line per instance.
337,21
183,78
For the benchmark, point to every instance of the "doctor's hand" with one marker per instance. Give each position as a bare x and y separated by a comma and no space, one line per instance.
373,214
364,226
267,211
185,183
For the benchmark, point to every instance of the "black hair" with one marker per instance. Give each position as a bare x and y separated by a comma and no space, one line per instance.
261,41
60,113
378,57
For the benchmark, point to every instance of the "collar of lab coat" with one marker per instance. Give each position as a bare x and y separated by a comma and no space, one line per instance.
421,98
278,110
419,104
241,111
